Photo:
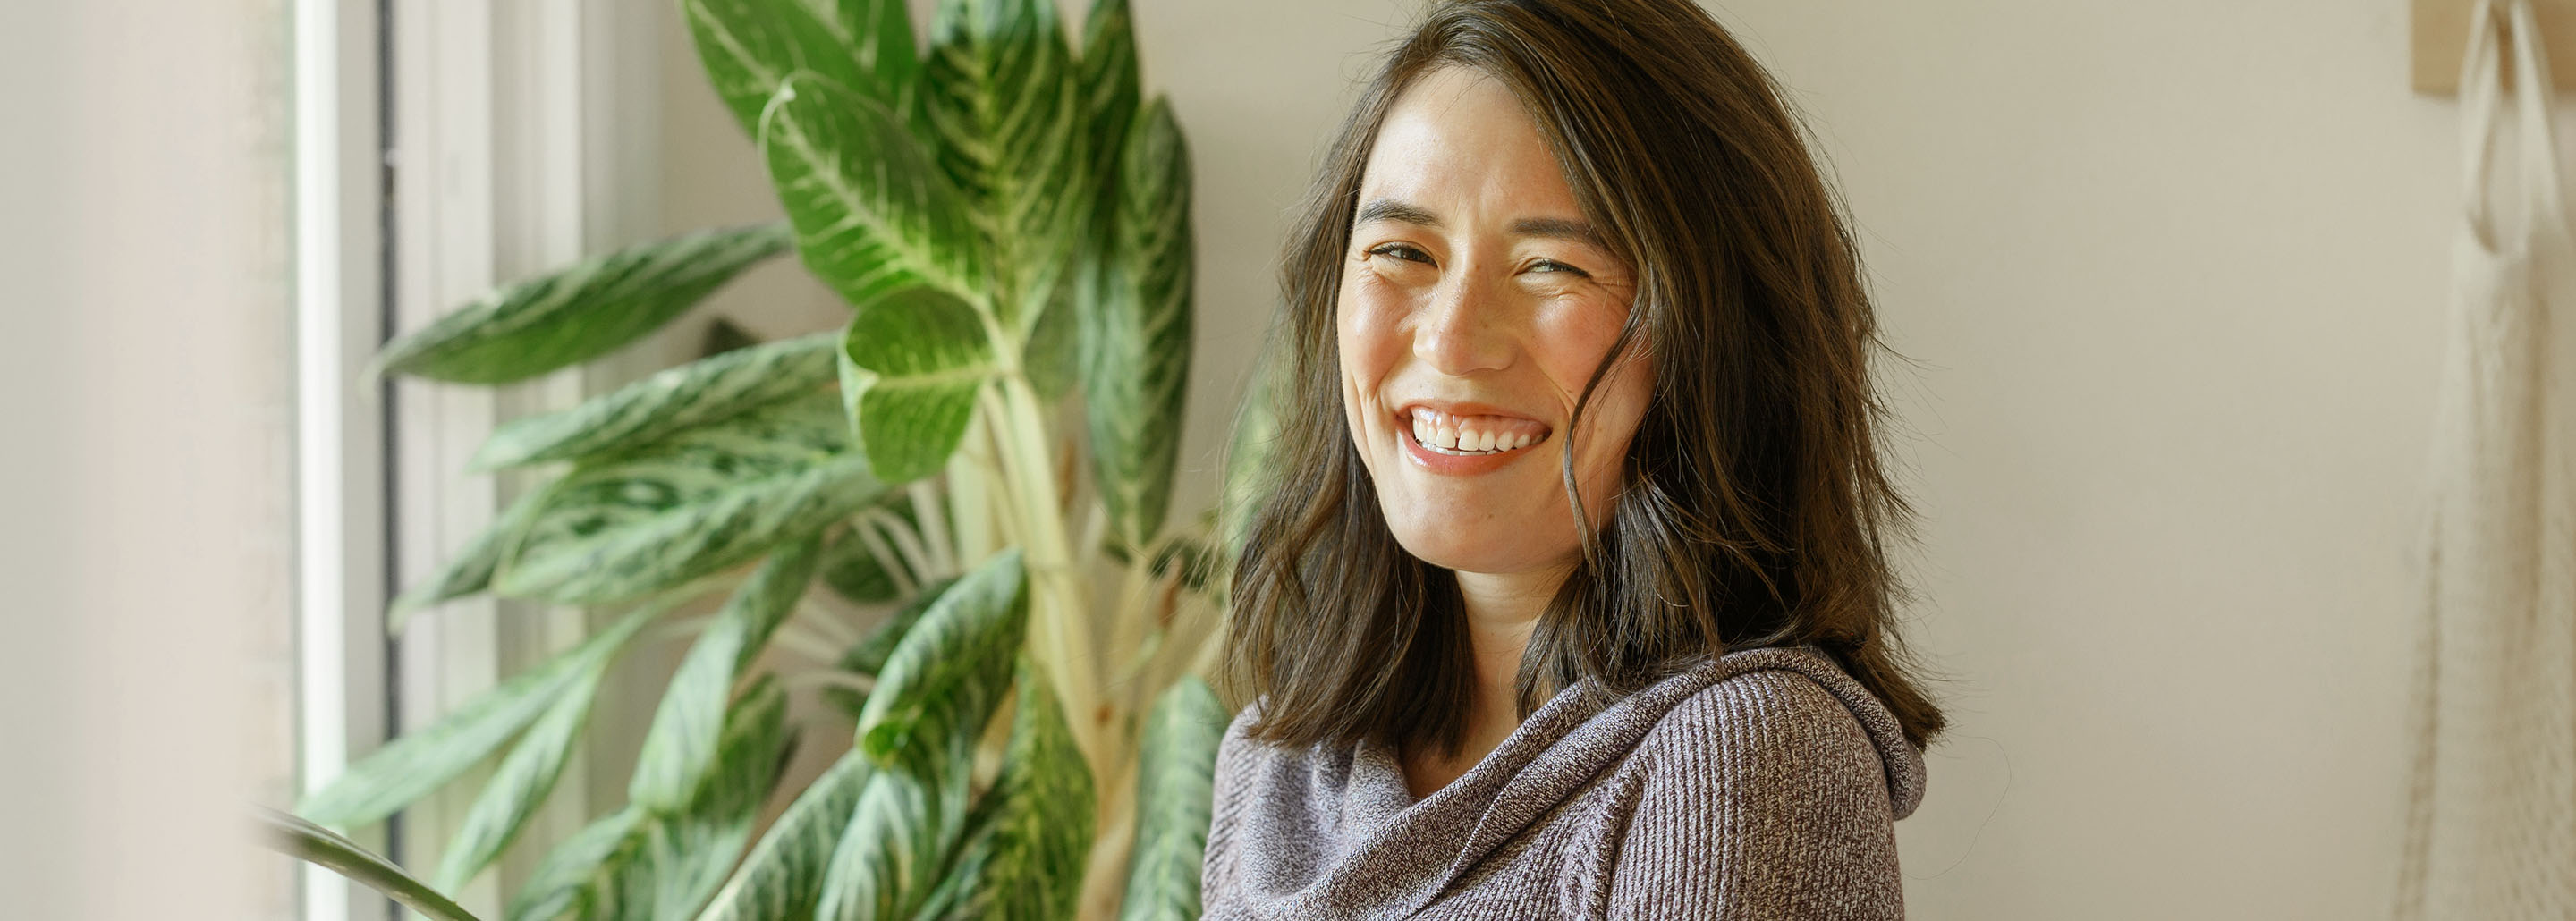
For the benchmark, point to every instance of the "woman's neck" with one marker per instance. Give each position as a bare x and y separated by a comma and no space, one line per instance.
1502,611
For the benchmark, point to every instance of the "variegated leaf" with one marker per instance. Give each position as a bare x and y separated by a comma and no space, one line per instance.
1175,776
470,569
687,396
683,857
750,46
868,656
1110,96
872,213
680,748
521,784
932,700
312,843
909,372
578,313
425,759
879,35
665,865
560,886
783,876
690,505
1028,841
950,667
899,837
1002,95
1137,364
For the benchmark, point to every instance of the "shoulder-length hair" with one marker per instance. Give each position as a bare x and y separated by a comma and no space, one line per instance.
1754,508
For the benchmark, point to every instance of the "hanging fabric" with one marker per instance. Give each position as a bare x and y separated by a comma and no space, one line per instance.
2491,814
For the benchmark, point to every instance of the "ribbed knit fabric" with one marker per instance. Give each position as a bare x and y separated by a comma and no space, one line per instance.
1763,784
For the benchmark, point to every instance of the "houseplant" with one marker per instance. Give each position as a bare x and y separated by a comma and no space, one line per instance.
1008,220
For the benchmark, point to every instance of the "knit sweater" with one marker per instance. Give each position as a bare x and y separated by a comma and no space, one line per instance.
1761,784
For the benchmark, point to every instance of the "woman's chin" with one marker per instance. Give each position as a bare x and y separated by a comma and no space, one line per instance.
1448,549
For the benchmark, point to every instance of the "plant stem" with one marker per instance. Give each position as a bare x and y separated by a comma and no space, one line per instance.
1057,592
934,529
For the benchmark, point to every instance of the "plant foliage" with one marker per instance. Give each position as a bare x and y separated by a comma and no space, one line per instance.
1007,217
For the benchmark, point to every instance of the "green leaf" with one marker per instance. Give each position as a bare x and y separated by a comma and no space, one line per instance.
868,656
691,395
1002,97
470,569
932,700
521,784
317,845
1137,363
425,759
751,46
578,313
784,874
691,505
950,668
1052,357
1175,776
680,748
1028,842
899,837
1110,95
560,886
879,36
872,213
682,858
909,372
644,864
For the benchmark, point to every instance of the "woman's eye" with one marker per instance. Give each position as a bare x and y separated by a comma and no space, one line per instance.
1400,251
1551,265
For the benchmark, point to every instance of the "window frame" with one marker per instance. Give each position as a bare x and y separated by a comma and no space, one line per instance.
441,146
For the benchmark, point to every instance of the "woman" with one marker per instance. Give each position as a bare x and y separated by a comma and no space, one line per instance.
1569,262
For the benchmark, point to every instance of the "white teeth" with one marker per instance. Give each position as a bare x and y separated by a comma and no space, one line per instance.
1441,432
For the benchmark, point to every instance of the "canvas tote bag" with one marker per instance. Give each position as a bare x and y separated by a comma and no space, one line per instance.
2491,813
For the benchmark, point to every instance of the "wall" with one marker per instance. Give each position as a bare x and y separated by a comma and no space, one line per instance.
2170,280
146,362
2175,276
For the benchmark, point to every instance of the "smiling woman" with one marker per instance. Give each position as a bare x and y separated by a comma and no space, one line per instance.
1571,596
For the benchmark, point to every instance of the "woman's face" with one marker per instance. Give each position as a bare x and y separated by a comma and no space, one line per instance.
1476,303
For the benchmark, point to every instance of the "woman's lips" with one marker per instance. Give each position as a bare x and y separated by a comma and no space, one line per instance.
1439,442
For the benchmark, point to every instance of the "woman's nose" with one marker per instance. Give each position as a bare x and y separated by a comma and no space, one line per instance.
1460,332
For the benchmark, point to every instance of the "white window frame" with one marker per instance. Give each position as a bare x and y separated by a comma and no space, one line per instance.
486,185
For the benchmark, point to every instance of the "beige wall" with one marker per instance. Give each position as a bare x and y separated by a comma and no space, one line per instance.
2171,276
145,369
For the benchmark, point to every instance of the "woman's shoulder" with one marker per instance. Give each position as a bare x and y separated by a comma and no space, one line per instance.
1781,712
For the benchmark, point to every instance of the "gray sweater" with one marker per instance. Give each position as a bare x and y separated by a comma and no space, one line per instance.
1763,784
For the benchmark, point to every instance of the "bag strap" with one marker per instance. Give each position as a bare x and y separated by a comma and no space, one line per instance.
2533,97
2481,97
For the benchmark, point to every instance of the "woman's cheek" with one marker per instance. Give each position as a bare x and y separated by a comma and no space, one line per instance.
1371,328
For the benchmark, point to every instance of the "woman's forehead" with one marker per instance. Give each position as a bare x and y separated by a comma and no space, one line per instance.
1459,140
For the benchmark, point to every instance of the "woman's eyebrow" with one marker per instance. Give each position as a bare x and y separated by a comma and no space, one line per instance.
1560,229
1388,209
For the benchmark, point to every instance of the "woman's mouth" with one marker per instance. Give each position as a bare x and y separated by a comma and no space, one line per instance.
1472,436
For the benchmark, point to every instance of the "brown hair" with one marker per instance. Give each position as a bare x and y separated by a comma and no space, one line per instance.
1754,508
